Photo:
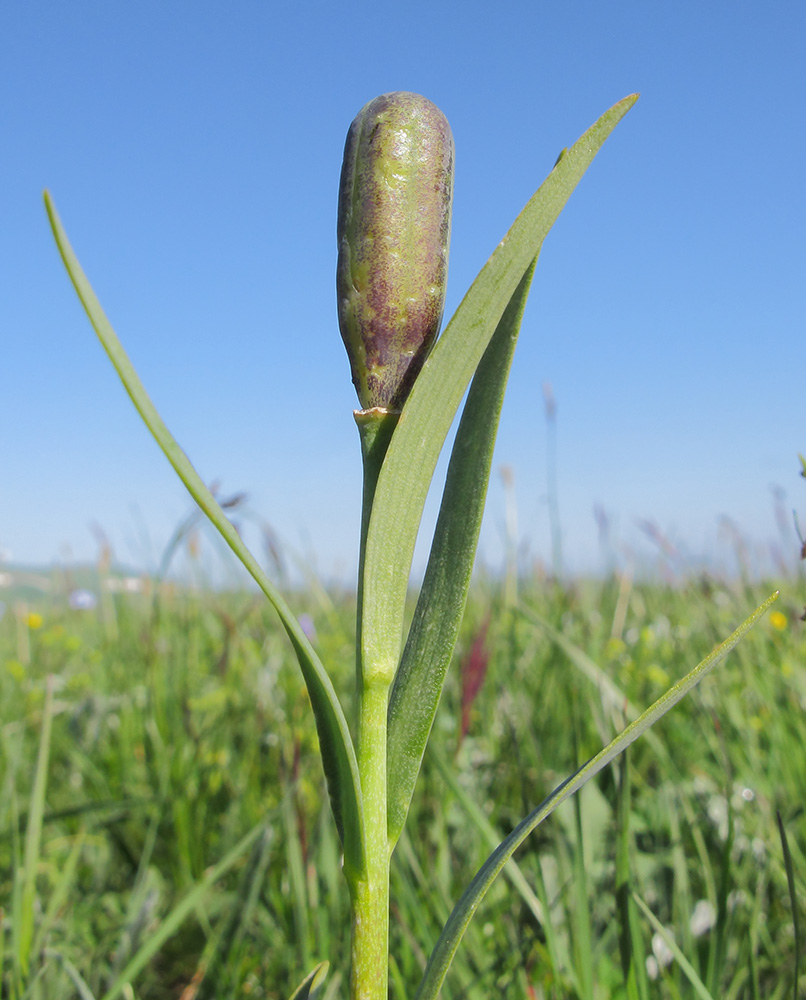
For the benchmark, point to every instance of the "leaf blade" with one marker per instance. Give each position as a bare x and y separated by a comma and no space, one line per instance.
699,986
429,410
454,929
338,753
429,648
33,835
172,922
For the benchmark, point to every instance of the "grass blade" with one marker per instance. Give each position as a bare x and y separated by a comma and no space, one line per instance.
172,922
452,933
633,956
790,881
687,968
484,826
429,410
61,892
82,989
311,985
583,931
419,680
336,744
220,954
295,867
33,838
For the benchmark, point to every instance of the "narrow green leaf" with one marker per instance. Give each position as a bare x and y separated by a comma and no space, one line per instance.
688,969
75,977
583,931
220,954
478,818
429,411
338,754
33,836
717,939
61,893
295,867
452,933
633,956
793,898
171,924
312,984
611,695
419,680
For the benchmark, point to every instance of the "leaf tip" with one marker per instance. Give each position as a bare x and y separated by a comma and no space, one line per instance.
50,208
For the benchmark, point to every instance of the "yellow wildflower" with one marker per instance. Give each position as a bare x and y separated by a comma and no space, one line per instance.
657,675
16,669
778,620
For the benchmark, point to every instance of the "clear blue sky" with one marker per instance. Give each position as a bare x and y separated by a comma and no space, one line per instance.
193,152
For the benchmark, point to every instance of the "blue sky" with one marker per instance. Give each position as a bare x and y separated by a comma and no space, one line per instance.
193,152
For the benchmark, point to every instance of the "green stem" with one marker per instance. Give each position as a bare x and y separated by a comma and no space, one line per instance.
370,894
375,426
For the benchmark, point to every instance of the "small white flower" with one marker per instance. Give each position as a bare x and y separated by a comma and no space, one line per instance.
741,796
737,898
82,600
662,627
662,951
718,814
703,918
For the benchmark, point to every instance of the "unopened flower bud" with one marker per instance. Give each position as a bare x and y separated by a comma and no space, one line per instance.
394,233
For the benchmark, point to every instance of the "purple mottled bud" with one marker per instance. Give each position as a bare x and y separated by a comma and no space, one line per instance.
394,233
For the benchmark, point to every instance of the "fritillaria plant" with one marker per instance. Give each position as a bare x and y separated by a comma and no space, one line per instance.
394,229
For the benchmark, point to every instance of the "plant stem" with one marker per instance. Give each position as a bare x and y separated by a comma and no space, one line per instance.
370,892
375,427
370,897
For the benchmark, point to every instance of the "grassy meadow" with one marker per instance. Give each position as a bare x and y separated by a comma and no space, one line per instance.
164,829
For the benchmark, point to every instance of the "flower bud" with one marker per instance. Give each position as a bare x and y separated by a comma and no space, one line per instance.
393,232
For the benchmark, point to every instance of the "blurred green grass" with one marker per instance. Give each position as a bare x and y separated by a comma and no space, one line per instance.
180,723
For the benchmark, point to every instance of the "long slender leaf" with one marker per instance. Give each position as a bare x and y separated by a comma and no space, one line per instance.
33,836
295,866
311,985
793,898
633,957
478,818
61,891
419,680
429,411
218,956
611,695
688,969
180,912
452,933
75,977
338,753
583,931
